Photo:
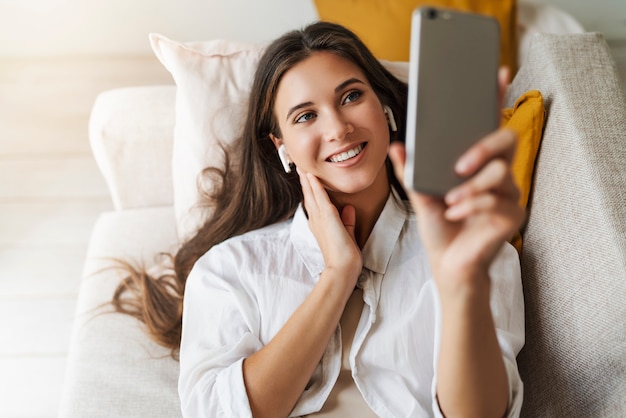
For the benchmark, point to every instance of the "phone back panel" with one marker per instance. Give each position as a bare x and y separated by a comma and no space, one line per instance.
453,93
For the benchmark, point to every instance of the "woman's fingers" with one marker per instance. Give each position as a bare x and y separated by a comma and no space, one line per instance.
316,200
504,78
307,192
492,220
333,230
500,144
313,191
483,203
322,202
318,203
397,155
319,193
495,177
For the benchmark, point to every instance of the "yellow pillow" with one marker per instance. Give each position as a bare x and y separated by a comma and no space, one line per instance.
385,25
526,118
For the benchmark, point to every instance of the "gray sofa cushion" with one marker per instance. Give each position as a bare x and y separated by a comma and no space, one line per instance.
574,256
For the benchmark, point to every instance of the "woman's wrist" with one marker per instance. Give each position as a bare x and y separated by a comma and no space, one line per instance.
340,279
463,287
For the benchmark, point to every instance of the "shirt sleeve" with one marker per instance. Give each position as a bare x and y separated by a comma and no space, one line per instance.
211,354
507,308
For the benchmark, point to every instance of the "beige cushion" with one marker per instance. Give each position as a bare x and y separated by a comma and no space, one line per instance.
114,370
574,257
213,79
130,130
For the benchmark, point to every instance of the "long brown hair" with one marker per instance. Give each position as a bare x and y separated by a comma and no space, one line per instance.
256,191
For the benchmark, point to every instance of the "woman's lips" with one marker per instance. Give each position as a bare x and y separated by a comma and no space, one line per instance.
346,155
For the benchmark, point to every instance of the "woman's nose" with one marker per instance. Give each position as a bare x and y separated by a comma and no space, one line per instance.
337,126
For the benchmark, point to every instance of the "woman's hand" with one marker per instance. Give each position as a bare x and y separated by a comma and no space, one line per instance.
464,231
334,232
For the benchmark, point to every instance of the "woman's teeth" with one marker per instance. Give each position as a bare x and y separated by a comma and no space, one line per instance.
347,155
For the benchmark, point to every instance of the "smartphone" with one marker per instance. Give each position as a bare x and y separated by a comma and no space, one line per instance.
453,93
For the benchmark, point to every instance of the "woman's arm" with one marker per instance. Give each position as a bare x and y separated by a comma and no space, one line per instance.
225,370
463,234
472,376
276,375
472,379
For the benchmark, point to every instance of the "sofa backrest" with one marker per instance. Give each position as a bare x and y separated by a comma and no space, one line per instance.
574,254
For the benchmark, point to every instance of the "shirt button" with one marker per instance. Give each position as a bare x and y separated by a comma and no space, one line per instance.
359,281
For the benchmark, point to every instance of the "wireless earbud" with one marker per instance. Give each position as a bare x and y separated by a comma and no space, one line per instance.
390,118
284,158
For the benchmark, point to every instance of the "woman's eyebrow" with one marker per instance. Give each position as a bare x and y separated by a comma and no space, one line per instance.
347,83
296,107
340,87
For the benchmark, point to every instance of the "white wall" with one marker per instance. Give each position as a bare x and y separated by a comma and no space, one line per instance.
606,16
87,27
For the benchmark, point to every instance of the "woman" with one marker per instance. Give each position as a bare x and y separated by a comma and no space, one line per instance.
348,304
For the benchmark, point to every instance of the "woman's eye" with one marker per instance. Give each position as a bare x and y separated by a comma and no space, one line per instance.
352,96
305,117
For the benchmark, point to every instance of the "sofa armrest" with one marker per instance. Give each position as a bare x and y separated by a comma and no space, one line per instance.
113,368
131,133
574,254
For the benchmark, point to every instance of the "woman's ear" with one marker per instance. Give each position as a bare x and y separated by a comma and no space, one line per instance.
277,141
283,155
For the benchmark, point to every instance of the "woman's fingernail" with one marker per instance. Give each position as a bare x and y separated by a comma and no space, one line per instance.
453,212
453,196
463,165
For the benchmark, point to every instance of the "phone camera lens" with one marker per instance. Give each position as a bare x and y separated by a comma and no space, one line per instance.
432,14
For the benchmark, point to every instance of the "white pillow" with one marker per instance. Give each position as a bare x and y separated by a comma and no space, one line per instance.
213,80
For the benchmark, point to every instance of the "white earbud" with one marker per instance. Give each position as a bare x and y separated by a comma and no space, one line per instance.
284,158
390,118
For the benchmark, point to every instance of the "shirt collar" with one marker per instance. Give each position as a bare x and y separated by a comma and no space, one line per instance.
384,237
377,250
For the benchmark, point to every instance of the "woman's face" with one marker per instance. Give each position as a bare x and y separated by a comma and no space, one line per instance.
333,124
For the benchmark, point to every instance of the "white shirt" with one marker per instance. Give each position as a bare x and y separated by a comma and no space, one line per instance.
242,291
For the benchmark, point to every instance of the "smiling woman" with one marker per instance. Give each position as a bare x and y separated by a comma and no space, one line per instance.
333,125
321,284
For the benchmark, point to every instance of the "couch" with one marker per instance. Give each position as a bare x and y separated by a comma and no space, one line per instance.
573,258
